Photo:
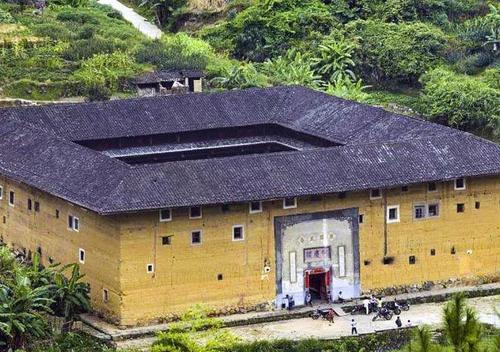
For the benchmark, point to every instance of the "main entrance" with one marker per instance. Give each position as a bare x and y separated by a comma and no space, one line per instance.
319,253
317,281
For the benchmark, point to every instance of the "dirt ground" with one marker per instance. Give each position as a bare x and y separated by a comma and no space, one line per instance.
429,314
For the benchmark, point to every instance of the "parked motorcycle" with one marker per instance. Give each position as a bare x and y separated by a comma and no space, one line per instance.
383,313
327,314
404,305
393,306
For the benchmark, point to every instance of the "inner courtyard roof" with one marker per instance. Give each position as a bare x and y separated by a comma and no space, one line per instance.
370,148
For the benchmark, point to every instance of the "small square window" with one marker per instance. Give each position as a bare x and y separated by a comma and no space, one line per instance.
12,198
37,206
433,252
419,211
219,277
255,207
342,195
460,207
459,184
57,213
360,218
225,208
289,203
432,187
81,256
150,268
238,233
195,213
433,210
105,295
411,259
30,204
375,193
404,189
196,237
453,250
166,240
393,213
165,215
478,205
1,192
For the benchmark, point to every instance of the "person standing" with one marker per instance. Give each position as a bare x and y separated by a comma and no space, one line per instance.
341,297
366,304
379,303
291,302
373,302
408,324
399,323
354,330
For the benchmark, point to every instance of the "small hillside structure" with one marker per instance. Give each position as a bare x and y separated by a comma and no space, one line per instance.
240,198
169,82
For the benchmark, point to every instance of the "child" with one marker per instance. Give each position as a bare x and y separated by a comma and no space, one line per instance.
354,330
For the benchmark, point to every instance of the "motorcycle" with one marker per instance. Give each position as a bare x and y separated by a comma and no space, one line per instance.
327,314
404,305
383,313
393,306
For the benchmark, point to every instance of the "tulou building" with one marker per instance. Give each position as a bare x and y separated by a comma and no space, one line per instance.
239,198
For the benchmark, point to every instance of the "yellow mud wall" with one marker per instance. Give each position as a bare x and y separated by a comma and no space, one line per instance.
119,248
98,236
186,274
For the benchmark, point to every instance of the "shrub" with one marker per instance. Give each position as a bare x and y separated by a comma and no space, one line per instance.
84,49
395,52
293,68
269,28
28,89
103,73
52,30
178,51
6,17
240,76
461,101
76,16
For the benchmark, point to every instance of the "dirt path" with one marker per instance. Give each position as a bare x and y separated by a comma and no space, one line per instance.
148,29
429,313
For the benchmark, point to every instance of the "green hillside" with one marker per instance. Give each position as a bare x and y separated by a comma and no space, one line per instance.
436,58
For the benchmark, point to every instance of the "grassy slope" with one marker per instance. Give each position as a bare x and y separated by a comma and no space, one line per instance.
41,52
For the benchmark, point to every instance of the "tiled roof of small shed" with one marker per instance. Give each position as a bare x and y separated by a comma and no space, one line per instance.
379,149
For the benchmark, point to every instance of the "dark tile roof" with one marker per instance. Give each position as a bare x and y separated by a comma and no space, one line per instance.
166,76
378,149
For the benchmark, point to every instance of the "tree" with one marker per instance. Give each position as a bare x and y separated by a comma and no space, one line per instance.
344,87
461,325
103,73
395,53
461,101
335,61
20,312
493,21
292,68
71,294
239,77
422,340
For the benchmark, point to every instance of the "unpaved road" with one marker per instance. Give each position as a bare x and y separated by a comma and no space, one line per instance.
148,29
429,314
